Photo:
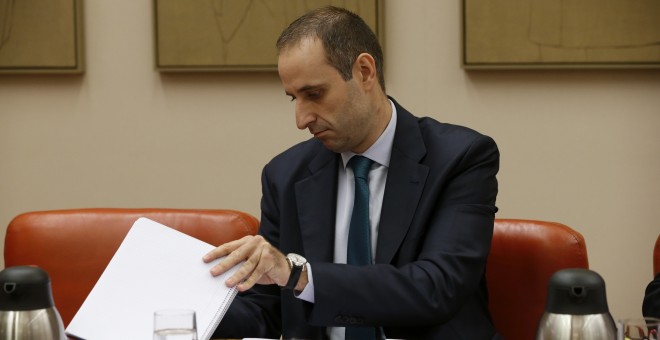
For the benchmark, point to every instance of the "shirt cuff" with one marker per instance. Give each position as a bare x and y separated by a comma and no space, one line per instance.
308,293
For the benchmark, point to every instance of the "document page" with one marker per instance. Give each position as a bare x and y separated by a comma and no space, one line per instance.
156,267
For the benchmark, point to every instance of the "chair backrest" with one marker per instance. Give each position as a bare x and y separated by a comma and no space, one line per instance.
523,256
75,246
656,257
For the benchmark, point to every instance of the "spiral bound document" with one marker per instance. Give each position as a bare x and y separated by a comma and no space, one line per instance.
156,267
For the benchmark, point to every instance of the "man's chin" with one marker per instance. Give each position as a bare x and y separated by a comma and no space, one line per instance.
331,146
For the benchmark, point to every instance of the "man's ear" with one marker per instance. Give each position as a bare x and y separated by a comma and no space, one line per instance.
364,69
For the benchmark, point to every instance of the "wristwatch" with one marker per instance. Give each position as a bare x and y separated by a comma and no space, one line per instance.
298,264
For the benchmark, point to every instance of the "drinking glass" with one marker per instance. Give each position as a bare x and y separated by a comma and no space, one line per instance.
639,329
175,324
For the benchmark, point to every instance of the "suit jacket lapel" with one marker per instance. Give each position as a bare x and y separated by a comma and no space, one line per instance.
405,182
316,200
316,195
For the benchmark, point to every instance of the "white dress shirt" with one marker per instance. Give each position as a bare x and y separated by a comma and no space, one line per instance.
380,153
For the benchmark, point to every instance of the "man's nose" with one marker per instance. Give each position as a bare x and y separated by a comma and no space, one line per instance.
304,115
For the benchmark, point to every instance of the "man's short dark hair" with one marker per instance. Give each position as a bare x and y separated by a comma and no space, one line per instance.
344,36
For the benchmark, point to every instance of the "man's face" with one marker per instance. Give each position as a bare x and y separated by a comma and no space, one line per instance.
335,111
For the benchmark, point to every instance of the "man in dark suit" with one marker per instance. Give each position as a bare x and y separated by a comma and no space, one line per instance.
432,190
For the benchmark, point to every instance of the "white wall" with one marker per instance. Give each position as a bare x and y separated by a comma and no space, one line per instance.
578,147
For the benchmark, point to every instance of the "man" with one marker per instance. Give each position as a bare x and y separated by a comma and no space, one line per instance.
431,205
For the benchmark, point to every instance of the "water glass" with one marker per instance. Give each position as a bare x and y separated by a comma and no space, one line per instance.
175,324
639,329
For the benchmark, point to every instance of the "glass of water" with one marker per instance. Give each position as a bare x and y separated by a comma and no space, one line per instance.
175,324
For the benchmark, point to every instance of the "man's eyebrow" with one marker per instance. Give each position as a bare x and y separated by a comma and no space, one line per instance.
303,89
307,88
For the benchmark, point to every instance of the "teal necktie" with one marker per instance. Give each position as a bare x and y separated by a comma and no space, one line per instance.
359,234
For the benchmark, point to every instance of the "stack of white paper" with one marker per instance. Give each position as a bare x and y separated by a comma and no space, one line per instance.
156,267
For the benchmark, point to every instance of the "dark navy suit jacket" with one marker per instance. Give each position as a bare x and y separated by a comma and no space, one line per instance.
434,236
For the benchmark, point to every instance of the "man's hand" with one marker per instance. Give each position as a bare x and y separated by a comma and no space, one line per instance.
264,264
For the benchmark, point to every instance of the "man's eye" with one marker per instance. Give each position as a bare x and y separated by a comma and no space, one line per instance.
314,94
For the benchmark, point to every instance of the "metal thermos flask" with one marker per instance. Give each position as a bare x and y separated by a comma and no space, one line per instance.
576,308
27,311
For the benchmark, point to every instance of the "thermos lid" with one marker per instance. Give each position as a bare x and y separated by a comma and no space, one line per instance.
24,288
577,292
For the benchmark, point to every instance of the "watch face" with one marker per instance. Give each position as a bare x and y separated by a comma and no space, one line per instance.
296,259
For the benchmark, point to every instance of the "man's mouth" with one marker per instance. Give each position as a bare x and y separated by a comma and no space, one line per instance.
318,133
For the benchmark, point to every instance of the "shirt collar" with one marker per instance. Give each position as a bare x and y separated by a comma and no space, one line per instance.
381,150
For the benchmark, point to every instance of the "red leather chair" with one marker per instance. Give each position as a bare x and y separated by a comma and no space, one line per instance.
656,257
523,256
75,246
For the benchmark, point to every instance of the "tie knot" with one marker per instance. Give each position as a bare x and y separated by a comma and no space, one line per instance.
361,166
